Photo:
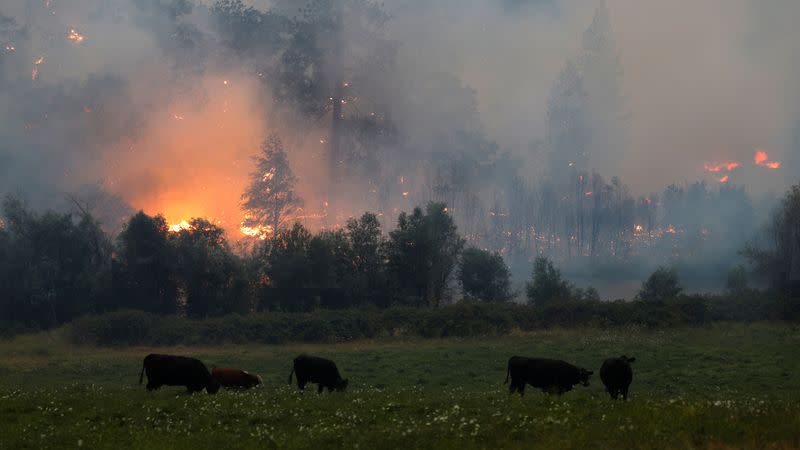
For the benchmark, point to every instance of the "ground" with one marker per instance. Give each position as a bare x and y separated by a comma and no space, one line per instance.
721,386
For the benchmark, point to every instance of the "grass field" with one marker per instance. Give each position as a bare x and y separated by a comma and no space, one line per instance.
722,386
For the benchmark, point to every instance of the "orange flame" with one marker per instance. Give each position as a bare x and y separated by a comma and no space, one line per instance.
589,193
36,64
761,158
179,226
724,179
727,166
75,37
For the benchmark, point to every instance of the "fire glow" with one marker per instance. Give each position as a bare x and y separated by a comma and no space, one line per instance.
761,158
716,168
35,72
74,36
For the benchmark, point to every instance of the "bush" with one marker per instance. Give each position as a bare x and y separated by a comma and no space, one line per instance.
663,284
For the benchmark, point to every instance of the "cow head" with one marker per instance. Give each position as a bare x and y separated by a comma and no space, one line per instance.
212,386
584,376
342,385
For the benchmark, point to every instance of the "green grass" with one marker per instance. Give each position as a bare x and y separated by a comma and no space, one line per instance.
726,385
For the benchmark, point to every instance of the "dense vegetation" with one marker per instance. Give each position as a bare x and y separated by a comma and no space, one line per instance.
55,268
720,386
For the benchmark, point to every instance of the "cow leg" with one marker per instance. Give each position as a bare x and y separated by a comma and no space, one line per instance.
625,393
512,387
301,384
521,389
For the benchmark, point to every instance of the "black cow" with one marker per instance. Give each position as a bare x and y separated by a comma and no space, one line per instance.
617,375
168,370
311,369
552,376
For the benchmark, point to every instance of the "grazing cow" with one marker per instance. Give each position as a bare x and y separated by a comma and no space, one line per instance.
168,370
617,375
235,378
311,369
550,375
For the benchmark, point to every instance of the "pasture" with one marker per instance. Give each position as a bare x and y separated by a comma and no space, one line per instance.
720,386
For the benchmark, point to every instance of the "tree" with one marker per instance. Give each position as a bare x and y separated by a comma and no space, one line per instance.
567,128
484,276
547,286
777,259
663,284
422,253
287,271
207,272
737,281
367,246
607,112
269,200
53,267
143,267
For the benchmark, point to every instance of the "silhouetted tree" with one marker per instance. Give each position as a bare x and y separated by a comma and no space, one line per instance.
547,286
663,284
777,259
422,252
484,276
206,271
144,263
269,200
368,277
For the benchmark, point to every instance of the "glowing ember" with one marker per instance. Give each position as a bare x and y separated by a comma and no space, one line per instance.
670,229
225,82
177,117
724,179
87,109
405,194
177,227
74,36
638,228
35,72
761,158
10,48
588,193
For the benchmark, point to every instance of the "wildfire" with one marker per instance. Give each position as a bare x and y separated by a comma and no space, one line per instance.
75,37
716,168
724,179
761,158
35,72
405,194
261,232
638,229
180,226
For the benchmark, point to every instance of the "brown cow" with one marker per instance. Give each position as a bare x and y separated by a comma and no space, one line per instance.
235,378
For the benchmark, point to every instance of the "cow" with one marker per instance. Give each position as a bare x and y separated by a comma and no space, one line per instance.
169,370
235,378
312,369
550,375
617,375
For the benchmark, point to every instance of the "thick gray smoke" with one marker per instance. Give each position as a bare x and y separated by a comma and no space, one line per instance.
159,104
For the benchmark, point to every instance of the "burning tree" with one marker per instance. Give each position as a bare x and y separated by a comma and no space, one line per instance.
269,201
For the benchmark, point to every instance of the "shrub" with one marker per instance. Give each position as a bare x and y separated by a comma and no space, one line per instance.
663,284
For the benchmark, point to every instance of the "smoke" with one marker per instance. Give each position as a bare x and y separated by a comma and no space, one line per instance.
162,106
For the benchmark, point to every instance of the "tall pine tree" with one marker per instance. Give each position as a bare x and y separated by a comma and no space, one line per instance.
270,201
607,111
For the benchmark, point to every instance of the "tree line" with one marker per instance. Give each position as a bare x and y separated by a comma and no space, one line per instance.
55,267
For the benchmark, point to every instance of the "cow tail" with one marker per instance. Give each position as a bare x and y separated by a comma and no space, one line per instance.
141,375
290,375
508,371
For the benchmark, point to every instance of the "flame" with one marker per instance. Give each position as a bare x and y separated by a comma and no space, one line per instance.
179,226
75,37
638,228
405,194
177,117
87,109
727,166
259,231
761,158
588,193
10,48
35,72
724,179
